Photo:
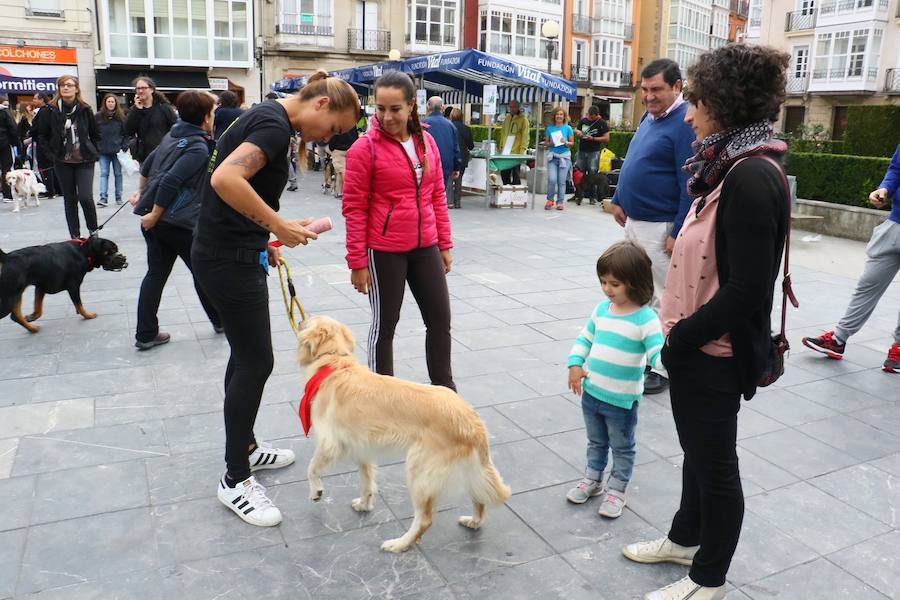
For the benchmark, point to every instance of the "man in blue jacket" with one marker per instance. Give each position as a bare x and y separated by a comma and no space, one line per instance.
651,199
445,136
882,265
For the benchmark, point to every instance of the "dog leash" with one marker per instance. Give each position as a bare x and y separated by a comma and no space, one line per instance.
121,206
289,293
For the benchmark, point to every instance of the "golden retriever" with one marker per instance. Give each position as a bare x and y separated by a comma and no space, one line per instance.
360,415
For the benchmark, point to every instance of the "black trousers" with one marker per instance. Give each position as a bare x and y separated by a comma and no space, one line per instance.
77,183
705,404
457,188
6,164
423,269
240,295
165,243
511,176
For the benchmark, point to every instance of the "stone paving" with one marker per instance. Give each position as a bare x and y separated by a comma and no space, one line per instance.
109,457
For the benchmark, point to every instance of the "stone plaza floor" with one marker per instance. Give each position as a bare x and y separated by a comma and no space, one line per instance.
109,457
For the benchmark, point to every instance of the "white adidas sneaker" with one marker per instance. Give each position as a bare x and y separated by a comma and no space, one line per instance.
265,456
249,501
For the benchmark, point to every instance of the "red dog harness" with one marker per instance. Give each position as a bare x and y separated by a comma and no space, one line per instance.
312,386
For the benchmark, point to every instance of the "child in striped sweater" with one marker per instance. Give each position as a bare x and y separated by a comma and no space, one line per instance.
606,367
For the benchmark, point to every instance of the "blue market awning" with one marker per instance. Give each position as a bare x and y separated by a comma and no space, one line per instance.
470,70
288,85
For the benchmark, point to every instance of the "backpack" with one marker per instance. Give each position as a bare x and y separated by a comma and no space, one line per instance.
185,209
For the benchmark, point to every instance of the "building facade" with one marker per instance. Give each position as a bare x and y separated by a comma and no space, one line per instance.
181,44
40,40
843,52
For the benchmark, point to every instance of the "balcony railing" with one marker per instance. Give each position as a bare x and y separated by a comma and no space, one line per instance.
321,27
626,79
797,84
839,6
798,20
581,73
740,7
892,81
374,40
581,24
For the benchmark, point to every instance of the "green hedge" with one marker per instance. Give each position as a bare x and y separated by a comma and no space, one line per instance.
872,130
836,178
818,146
618,140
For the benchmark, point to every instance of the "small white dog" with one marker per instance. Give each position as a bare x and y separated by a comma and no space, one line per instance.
24,185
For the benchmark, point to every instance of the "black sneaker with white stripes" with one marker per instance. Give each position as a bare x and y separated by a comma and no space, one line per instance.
249,501
265,456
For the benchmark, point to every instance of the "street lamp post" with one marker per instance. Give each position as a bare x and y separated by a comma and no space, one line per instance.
394,54
550,30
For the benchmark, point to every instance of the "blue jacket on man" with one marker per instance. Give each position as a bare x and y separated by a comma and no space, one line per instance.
444,134
652,185
891,183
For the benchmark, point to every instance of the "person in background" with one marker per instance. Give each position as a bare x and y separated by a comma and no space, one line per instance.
716,308
24,116
271,96
179,163
231,255
78,151
227,112
111,122
447,140
339,145
293,165
882,264
45,131
559,138
515,124
651,199
149,120
592,131
466,145
398,227
10,146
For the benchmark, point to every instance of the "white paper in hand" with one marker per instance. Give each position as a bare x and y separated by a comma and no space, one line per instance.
557,138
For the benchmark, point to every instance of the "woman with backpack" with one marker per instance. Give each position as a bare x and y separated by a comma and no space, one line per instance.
398,227
149,120
111,122
168,201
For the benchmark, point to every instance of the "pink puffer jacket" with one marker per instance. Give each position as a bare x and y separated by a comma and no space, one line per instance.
400,215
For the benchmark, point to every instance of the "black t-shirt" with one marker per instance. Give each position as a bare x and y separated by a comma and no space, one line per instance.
267,126
593,129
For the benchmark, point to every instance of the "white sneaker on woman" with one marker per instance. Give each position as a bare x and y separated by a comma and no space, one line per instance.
685,589
661,550
249,501
265,456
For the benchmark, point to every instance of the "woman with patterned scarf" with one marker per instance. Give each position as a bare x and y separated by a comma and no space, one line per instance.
717,303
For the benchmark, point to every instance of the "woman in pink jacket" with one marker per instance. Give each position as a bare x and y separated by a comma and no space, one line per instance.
398,229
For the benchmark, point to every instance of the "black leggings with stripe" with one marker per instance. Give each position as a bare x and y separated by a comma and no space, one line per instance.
423,270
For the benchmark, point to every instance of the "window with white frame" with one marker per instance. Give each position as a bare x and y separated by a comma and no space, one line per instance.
580,54
610,17
842,54
306,17
720,24
526,35
180,32
513,34
607,61
45,8
432,22
128,28
800,62
874,54
230,30
806,7
754,14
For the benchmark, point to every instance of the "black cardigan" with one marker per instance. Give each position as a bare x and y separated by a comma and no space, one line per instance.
751,224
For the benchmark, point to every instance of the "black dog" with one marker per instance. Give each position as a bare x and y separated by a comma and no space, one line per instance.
589,180
51,269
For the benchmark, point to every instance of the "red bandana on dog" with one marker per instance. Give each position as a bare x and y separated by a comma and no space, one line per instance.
312,386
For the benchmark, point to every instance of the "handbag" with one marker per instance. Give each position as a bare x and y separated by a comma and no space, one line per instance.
779,346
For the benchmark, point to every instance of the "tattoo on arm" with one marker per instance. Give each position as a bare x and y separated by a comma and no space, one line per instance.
250,159
261,222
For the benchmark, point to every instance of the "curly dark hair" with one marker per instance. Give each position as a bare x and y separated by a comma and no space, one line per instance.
739,84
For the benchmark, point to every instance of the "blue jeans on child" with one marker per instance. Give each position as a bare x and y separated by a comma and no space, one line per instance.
609,428
105,161
557,174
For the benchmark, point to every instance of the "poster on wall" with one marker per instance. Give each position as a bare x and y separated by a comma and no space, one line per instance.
490,100
422,100
30,78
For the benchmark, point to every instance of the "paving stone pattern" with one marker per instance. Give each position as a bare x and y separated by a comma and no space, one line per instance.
109,457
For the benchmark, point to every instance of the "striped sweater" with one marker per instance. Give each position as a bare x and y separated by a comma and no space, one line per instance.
614,349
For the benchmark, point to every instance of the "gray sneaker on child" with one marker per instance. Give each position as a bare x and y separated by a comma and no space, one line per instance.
585,489
613,504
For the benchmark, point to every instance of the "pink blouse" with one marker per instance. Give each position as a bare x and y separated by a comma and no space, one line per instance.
692,279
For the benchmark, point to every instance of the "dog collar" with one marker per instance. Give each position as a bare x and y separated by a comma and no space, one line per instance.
83,242
312,386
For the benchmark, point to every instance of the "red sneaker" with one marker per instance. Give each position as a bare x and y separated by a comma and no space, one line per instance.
549,205
826,344
892,362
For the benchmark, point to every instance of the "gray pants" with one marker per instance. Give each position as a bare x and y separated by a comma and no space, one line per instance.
883,251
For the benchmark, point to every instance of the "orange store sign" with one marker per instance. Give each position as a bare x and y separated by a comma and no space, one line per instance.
38,54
